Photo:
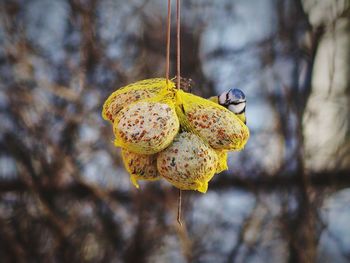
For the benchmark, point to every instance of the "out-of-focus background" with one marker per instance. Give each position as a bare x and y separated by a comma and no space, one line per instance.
64,194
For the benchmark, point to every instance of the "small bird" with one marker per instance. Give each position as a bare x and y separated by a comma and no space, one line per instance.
234,100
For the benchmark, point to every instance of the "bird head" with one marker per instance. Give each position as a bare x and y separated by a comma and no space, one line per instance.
235,101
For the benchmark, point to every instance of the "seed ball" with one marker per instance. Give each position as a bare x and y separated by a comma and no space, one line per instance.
219,127
140,166
188,163
143,89
146,127
116,101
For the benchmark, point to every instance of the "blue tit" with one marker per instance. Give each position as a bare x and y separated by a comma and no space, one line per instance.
234,100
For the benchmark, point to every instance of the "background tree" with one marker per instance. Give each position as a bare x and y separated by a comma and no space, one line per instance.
64,194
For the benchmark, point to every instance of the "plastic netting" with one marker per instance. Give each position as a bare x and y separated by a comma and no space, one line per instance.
147,115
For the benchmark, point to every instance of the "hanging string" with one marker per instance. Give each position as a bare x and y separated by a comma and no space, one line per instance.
178,43
167,64
179,204
178,71
178,78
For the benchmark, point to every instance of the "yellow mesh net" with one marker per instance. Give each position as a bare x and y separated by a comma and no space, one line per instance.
222,161
147,117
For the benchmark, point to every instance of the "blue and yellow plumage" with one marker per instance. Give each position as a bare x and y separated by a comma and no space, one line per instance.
234,100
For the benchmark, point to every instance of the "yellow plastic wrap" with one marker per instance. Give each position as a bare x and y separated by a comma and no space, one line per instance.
140,166
188,163
146,127
139,90
218,126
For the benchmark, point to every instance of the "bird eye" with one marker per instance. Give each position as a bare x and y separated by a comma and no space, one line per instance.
237,102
